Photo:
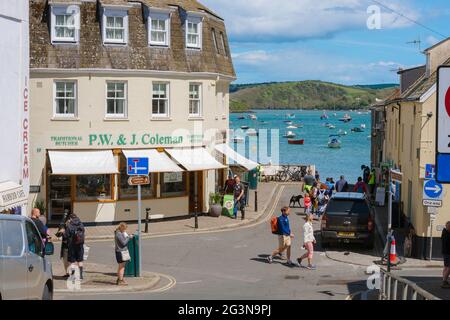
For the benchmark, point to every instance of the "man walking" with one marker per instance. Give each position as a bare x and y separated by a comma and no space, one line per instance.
284,236
308,181
446,255
35,216
75,235
238,198
342,185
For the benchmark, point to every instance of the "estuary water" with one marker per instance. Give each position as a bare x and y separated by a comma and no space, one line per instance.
271,125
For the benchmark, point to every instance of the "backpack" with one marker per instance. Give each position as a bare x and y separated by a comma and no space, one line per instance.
77,235
360,188
274,225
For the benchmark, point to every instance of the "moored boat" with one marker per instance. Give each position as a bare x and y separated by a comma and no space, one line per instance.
334,142
244,127
289,134
346,118
296,141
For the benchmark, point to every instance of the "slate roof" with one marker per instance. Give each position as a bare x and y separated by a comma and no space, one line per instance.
421,86
90,53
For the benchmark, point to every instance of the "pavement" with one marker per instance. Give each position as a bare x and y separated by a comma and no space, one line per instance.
266,193
101,279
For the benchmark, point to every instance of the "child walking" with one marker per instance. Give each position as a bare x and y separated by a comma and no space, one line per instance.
308,242
307,203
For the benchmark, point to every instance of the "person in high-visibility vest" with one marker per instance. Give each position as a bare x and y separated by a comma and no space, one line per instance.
372,181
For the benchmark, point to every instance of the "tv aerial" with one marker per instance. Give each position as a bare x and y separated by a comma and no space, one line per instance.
417,43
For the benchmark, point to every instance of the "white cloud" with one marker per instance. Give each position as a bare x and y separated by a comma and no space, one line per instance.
303,64
292,20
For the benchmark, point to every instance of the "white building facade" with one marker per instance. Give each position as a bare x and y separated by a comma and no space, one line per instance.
116,79
14,107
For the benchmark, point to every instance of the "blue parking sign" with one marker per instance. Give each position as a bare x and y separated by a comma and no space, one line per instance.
137,166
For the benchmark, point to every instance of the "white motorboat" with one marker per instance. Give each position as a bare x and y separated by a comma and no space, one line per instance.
244,127
334,142
363,126
289,134
342,133
292,127
331,126
346,118
253,117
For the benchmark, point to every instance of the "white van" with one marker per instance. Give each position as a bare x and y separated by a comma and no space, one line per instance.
25,272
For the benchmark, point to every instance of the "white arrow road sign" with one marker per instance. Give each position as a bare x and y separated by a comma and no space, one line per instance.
435,189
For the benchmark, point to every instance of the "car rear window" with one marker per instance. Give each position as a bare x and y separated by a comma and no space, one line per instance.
348,207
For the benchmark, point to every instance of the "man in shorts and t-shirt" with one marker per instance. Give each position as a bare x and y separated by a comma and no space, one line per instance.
284,236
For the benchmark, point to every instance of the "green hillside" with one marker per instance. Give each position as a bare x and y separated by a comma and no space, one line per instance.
305,95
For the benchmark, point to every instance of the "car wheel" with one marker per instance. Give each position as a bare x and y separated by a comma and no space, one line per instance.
47,294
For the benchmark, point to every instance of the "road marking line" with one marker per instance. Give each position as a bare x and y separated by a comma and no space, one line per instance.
190,282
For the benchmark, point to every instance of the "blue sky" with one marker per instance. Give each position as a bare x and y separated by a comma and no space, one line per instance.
329,40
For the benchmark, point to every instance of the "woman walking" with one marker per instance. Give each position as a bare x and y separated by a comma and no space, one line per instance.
308,242
122,254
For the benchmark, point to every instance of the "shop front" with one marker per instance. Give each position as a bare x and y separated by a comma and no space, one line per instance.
94,184
13,199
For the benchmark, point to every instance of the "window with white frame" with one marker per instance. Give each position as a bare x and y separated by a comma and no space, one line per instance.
116,100
115,26
65,23
159,29
224,45
194,32
65,99
160,100
195,100
214,37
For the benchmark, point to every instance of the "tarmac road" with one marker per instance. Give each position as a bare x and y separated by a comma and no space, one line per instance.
232,265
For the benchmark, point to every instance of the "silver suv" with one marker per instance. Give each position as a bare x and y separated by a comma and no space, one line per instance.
25,272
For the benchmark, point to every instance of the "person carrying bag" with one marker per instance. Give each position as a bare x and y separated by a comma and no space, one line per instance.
122,253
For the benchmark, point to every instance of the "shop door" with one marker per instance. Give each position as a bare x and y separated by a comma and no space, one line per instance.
59,197
195,190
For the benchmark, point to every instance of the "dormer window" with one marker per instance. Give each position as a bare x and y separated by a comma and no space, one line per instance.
115,26
65,24
159,29
194,32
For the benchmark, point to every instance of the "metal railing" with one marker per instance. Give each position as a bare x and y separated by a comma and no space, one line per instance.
394,287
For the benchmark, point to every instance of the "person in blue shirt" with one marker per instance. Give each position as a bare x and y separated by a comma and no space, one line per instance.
284,236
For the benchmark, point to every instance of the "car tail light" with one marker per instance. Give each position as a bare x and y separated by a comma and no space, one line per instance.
324,221
370,224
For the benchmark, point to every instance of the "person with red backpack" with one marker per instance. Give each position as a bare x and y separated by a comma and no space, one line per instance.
280,226
75,234
360,186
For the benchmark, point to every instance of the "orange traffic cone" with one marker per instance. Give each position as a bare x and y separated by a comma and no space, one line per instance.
393,253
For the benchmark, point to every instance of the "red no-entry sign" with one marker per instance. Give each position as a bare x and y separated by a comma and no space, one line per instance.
443,116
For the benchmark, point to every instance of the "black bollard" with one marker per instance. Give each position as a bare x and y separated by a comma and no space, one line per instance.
256,200
147,211
196,214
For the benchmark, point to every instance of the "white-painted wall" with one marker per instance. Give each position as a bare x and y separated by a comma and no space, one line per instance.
14,66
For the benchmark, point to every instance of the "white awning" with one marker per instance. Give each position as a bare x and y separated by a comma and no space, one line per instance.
12,196
197,159
82,162
158,161
236,157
